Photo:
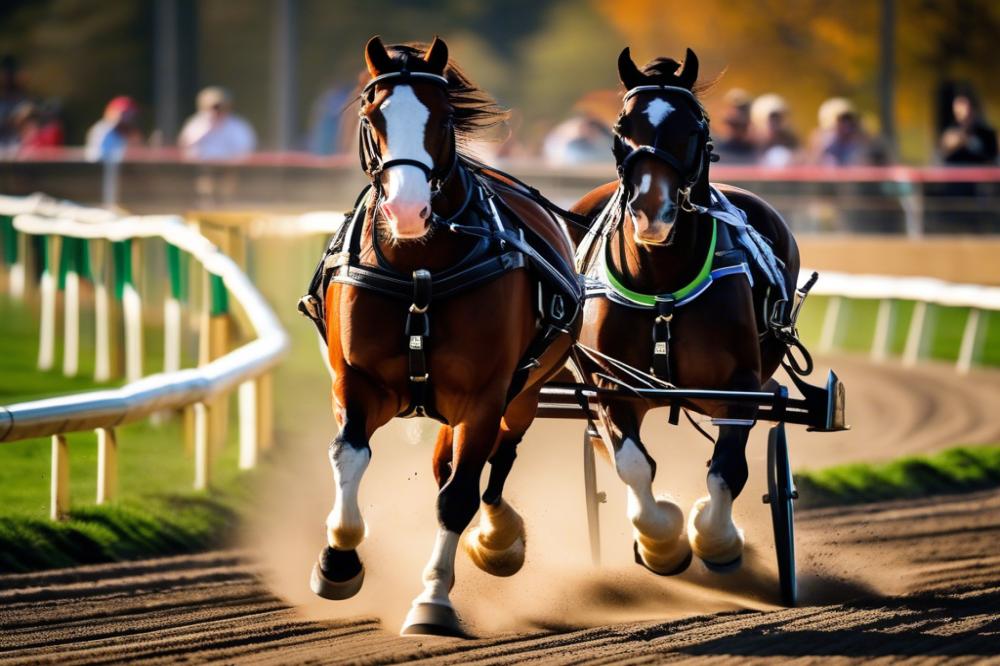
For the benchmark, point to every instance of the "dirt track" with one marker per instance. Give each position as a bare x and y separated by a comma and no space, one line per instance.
940,555
887,580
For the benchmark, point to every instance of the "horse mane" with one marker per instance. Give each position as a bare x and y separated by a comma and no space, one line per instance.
475,110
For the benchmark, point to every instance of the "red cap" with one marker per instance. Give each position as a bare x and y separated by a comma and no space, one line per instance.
121,105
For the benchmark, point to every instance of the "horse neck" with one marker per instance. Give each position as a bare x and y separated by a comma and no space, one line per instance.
441,248
660,269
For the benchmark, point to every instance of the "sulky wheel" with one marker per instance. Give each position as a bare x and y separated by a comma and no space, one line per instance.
780,494
592,497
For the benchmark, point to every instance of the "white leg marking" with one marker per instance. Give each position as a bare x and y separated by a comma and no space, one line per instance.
345,526
439,574
713,534
647,517
657,110
407,189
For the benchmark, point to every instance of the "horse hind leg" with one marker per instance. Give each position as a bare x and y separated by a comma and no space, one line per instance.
339,573
497,544
714,536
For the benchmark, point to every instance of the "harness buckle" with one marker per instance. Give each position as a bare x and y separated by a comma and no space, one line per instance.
415,309
419,379
660,348
416,342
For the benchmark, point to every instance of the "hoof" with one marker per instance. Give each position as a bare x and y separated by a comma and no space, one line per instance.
664,566
725,567
503,563
427,619
722,549
337,575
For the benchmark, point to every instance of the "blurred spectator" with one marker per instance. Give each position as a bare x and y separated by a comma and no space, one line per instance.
736,145
12,96
968,139
776,142
326,120
578,140
840,139
215,132
37,126
109,137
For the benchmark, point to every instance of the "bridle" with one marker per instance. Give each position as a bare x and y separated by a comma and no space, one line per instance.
368,151
697,151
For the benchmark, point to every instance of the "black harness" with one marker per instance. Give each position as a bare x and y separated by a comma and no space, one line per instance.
503,244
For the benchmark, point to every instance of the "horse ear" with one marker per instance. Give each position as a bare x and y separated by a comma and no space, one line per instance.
687,76
627,71
437,55
376,57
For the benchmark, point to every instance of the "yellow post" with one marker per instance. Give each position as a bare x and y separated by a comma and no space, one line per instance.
265,412
202,449
249,435
59,505
107,465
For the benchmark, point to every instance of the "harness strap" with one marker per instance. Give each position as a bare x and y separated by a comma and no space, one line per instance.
418,330
661,338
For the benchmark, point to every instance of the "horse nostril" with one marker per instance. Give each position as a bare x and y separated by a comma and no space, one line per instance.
424,212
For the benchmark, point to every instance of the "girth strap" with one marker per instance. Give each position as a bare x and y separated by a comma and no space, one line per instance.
661,338
418,330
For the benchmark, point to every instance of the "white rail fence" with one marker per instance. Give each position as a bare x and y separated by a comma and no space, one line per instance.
66,231
889,291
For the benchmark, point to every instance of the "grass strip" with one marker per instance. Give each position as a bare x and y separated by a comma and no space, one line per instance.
956,470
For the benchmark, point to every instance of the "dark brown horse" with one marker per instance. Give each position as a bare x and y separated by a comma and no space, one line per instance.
457,341
653,306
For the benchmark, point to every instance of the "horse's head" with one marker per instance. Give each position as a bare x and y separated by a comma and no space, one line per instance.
407,135
661,142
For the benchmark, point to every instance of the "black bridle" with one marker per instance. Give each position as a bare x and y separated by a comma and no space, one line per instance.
697,152
368,151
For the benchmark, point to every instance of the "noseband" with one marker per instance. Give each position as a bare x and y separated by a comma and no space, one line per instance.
699,145
368,151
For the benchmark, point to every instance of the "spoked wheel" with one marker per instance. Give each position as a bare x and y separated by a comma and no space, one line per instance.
780,494
593,498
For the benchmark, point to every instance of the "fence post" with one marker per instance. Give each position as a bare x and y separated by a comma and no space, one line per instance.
970,339
202,449
883,327
47,287
172,313
265,412
914,337
107,465
74,265
59,497
102,315
249,423
828,337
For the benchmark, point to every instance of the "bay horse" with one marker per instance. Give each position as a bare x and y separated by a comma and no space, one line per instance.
449,293
673,290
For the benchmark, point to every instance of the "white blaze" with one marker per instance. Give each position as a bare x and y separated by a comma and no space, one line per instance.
407,189
657,110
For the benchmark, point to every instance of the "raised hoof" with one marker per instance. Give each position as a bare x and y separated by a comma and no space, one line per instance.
325,584
502,563
725,567
427,619
679,569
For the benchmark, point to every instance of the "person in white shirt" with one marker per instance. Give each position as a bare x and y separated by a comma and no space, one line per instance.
215,132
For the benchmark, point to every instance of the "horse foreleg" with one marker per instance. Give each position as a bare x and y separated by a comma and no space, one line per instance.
658,522
714,536
458,499
339,572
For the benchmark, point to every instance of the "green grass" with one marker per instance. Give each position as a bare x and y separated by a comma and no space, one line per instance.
155,513
944,327
961,469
